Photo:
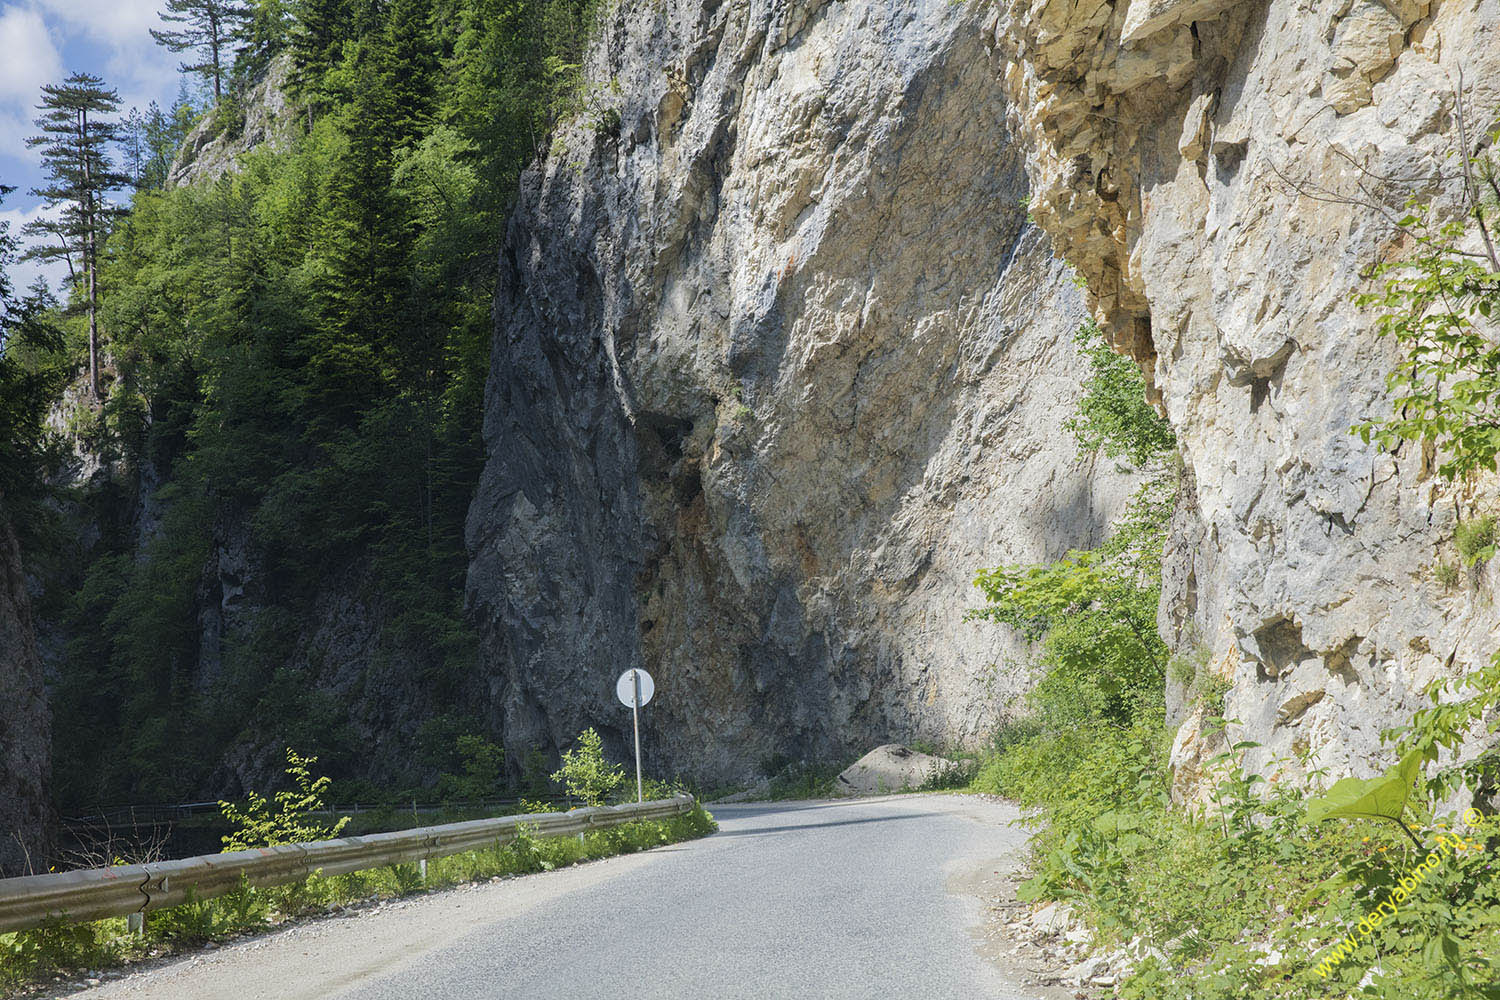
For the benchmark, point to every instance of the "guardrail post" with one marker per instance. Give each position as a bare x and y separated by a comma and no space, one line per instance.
135,923
422,867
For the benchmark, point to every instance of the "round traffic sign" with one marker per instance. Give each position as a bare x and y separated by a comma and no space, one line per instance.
625,687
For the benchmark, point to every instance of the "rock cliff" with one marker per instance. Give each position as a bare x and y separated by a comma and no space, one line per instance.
25,732
1221,173
779,364
263,117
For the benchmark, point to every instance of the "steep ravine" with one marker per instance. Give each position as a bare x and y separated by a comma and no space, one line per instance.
780,363
1221,173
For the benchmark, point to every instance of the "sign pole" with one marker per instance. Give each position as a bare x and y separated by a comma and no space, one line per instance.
634,689
635,716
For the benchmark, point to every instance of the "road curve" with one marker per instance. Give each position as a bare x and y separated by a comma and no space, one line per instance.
848,899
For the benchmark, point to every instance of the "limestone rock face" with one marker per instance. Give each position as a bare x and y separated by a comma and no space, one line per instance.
25,730
1221,172
779,363
212,148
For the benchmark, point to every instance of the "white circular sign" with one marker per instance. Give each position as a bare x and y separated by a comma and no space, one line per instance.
625,687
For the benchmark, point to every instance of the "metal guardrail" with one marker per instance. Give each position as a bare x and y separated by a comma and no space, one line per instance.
96,893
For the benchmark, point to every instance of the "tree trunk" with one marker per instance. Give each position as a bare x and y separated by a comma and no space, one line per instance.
213,44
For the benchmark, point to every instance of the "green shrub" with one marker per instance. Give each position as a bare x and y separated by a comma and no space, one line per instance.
1438,306
258,825
1475,539
1446,574
1219,888
1094,613
483,769
804,780
585,773
1113,414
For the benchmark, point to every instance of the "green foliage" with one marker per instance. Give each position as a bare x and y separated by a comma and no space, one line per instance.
1246,897
1446,574
482,770
585,773
257,824
1113,414
1457,711
301,350
209,30
1094,613
803,780
1475,539
1440,306
1383,797
31,373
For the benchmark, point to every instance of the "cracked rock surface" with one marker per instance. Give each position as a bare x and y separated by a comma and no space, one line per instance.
779,364
1221,172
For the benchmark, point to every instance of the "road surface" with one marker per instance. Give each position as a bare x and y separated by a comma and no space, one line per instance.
850,899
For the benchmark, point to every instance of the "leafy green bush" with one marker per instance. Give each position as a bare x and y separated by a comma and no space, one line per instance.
483,762
585,773
1113,414
1244,897
1094,613
256,824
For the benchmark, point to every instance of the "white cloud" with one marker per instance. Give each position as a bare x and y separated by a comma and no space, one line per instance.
23,274
15,126
28,57
118,22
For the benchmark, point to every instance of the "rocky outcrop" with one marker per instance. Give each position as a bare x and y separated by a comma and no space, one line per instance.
891,768
25,730
780,362
1222,173
262,116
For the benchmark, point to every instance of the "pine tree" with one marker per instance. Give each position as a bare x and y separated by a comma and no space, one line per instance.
410,55
73,144
319,30
133,145
161,146
26,386
266,33
73,147
211,28
363,244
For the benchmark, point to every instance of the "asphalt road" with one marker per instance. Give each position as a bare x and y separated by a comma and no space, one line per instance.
853,899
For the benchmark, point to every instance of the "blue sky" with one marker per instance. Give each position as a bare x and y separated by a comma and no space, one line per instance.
42,41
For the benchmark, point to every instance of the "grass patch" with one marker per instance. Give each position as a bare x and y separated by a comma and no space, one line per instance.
1475,539
31,957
